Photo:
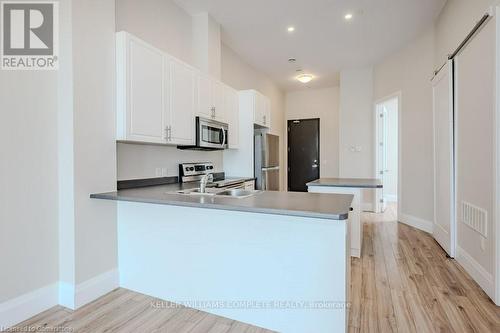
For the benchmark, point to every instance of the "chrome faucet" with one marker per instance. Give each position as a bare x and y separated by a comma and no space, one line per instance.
209,177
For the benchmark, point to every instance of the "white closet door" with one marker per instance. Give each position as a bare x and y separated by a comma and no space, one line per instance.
444,230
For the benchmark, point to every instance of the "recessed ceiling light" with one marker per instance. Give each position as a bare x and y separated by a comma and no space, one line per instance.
348,16
291,29
305,78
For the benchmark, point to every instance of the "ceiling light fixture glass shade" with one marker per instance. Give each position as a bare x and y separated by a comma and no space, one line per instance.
291,29
305,78
348,16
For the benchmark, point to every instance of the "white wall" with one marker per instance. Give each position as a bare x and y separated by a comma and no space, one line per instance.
241,76
356,129
322,104
94,136
356,123
455,22
159,22
207,45
409,72
28,182
140,161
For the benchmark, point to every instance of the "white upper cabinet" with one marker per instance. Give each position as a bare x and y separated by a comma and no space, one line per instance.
211,99
232,113
182,103
159,96
156,94
262,110
141,95
205,105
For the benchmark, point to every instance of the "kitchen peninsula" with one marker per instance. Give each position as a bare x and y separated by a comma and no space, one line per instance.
277,260
354,187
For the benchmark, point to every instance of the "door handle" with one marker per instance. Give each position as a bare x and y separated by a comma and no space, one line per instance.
315,165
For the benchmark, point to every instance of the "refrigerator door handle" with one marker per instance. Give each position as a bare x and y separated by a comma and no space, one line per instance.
270,169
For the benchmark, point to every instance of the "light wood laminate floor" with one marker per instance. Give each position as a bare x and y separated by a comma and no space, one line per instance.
403,282
126,311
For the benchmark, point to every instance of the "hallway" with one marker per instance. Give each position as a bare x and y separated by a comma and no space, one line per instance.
404,282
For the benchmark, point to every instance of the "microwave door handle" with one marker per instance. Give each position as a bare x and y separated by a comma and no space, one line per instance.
223,137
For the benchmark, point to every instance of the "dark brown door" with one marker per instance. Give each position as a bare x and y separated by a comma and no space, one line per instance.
303,153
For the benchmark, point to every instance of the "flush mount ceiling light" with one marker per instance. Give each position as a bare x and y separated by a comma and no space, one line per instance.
305,78
291,29
292,60
348,16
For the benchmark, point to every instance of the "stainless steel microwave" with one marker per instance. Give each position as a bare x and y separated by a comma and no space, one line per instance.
210,135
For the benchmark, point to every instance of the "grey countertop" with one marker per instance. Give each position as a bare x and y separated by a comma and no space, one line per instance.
309,205
347,182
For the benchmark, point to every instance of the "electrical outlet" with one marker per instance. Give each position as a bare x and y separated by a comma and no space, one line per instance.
158,172
483,243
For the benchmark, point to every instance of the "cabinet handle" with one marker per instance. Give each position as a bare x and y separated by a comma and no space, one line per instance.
168,133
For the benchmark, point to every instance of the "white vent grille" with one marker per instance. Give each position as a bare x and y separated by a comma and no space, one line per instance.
475,217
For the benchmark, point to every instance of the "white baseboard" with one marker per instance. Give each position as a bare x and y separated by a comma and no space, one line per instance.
28,305
96,287
416,222
21,308
476,271
74,297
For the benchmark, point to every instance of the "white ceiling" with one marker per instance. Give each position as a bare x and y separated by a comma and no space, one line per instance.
323,42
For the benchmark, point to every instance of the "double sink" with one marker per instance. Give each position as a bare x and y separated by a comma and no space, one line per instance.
228,193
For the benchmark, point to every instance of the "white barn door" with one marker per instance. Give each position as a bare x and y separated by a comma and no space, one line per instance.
444,230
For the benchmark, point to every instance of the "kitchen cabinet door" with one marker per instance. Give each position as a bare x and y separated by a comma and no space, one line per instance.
141,103
218,101
258,109
205,105
266,118
232,116
182,92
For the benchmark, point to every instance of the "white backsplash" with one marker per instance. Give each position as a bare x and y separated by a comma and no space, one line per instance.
143,161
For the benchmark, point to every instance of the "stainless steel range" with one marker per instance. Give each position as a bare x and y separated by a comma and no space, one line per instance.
194,172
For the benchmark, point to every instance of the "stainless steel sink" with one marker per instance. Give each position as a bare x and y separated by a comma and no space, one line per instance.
237,193
196,191
232,193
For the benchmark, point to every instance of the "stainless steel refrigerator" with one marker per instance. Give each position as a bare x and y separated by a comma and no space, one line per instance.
267,161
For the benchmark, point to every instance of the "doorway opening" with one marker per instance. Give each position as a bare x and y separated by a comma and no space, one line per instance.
303,153
387,152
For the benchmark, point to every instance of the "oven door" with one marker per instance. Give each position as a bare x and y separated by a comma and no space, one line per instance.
211,134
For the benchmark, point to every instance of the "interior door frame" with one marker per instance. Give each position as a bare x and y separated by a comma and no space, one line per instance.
377,196
288,146
495,11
